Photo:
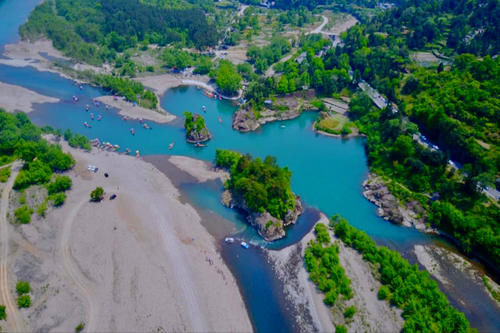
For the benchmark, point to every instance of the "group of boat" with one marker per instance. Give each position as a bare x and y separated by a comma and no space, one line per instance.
105,145
230,240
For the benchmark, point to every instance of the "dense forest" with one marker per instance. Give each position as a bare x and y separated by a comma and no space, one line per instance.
95,30
264,185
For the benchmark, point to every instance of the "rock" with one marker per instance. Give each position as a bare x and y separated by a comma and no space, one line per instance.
389,207
244,121
198,134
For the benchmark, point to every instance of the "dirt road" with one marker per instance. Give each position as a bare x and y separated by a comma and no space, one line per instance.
14,319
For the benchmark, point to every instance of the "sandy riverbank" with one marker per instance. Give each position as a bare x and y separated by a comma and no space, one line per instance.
142,262
15,98
136,112
373,315
200,170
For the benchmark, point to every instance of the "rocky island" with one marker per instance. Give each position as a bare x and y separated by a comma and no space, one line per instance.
262,190
196,130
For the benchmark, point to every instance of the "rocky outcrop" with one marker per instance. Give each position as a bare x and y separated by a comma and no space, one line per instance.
198,133
247,119
268,227
389,207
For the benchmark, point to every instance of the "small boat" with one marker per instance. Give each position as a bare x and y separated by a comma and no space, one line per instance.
220,119
86,124
197,144
220,98
132,131
92,116
229,240
107,107
99,117
127,151
204,108
282,126
141,120
87,107
124,118
245,245
146,126
81,87
170,146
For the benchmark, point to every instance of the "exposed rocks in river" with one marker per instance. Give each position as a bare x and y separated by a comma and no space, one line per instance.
390,208
196,131
290,106
269,227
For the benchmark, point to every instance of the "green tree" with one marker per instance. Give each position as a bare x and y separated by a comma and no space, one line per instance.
23,287
3,314
227,78
24,301
97,194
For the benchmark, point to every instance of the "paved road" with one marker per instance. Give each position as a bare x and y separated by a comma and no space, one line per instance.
14,320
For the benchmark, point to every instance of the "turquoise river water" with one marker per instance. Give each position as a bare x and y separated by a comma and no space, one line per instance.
327,174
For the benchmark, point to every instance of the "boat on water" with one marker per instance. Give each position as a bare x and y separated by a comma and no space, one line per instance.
99,117
282,126
146,126
132,131
170,146
92,116
86,124
204,108
229,240
87,107
197,144
244,245
220,119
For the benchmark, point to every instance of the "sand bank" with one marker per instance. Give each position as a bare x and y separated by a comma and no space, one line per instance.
373,315
137,112
15,98
141,262
198,169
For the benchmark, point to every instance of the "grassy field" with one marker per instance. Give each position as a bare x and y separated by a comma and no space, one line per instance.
333,123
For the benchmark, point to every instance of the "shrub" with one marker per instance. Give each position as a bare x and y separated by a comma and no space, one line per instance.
97,194
383,292
3,314
24,301
42,208
23,214
80,327
340,329
4,174
350,312
60,184
23,287
58,199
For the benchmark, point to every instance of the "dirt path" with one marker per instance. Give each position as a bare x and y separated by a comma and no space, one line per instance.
14,320
71,268
318,29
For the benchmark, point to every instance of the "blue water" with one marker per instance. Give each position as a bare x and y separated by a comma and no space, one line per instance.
327,172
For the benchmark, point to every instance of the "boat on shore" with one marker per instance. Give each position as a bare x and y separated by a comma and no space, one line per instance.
244,245
229,240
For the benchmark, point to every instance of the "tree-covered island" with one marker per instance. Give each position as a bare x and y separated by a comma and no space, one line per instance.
262,189
196,130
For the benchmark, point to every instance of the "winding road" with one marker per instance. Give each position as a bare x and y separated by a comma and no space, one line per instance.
86,287
14,319
319,29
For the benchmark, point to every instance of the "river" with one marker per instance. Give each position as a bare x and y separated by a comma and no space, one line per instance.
327,174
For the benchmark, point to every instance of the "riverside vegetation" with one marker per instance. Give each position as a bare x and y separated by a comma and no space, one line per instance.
425,308
20,139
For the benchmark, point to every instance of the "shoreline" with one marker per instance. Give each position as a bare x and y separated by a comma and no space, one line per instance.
145,256
16,98
137,112
373,315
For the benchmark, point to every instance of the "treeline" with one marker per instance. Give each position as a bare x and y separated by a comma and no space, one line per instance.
179,59
425,307
133,91
323,264
20,139
93,31
263,184
263,57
